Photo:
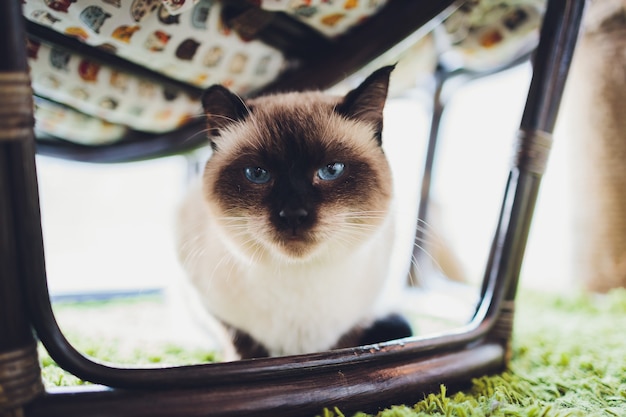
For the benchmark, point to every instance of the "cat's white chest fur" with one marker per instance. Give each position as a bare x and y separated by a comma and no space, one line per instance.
290,308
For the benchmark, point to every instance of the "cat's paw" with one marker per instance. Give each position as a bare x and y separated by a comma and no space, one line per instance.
391,327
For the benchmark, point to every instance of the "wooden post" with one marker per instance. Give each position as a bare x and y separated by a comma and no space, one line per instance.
20,379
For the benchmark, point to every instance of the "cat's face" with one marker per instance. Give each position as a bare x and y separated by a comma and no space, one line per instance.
298,175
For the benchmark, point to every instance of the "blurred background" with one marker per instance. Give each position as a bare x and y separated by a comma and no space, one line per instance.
109,228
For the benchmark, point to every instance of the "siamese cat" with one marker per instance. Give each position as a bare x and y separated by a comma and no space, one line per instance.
287,239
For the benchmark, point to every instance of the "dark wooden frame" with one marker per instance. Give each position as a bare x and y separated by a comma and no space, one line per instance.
358,378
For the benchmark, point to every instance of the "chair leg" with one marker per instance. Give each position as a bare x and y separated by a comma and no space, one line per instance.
551,64
20,376
438,106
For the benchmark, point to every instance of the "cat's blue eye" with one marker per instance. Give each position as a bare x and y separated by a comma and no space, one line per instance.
331,171
257,175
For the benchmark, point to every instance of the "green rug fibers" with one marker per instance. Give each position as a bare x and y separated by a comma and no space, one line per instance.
569,360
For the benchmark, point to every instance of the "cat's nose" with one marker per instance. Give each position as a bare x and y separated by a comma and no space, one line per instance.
294,216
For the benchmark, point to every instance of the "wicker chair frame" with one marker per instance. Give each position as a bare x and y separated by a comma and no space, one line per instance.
362,378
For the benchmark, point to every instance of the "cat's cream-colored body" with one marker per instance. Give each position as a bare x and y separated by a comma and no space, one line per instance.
289,307
288,239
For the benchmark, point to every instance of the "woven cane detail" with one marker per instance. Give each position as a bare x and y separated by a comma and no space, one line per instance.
502,331
20,378
532,150
503,328
16,106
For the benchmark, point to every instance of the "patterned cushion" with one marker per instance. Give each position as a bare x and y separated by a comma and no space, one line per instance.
188,41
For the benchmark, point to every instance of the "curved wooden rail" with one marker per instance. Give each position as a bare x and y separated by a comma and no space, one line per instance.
360,378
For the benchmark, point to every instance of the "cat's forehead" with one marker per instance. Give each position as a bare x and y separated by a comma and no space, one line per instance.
301,128
304,122
293,111
301,100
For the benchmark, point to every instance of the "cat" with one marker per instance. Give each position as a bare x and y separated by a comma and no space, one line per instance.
288,237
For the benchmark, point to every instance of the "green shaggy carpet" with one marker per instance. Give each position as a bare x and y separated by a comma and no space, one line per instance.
569,360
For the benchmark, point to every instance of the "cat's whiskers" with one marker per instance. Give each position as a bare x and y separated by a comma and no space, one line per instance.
352,238
193,256
206,130
349,228
229,274
357,232
348,240
212,276
252,248
220,116
356,226
238,228
229,258
193,240
430,257
193,247
233,223
414,277
429,234
234,230
425,227
362,221
197,115
354,233
194,135
255,254
364,217
232,219
243,102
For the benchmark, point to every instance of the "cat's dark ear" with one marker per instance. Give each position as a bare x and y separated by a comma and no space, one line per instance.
222,108
366,102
